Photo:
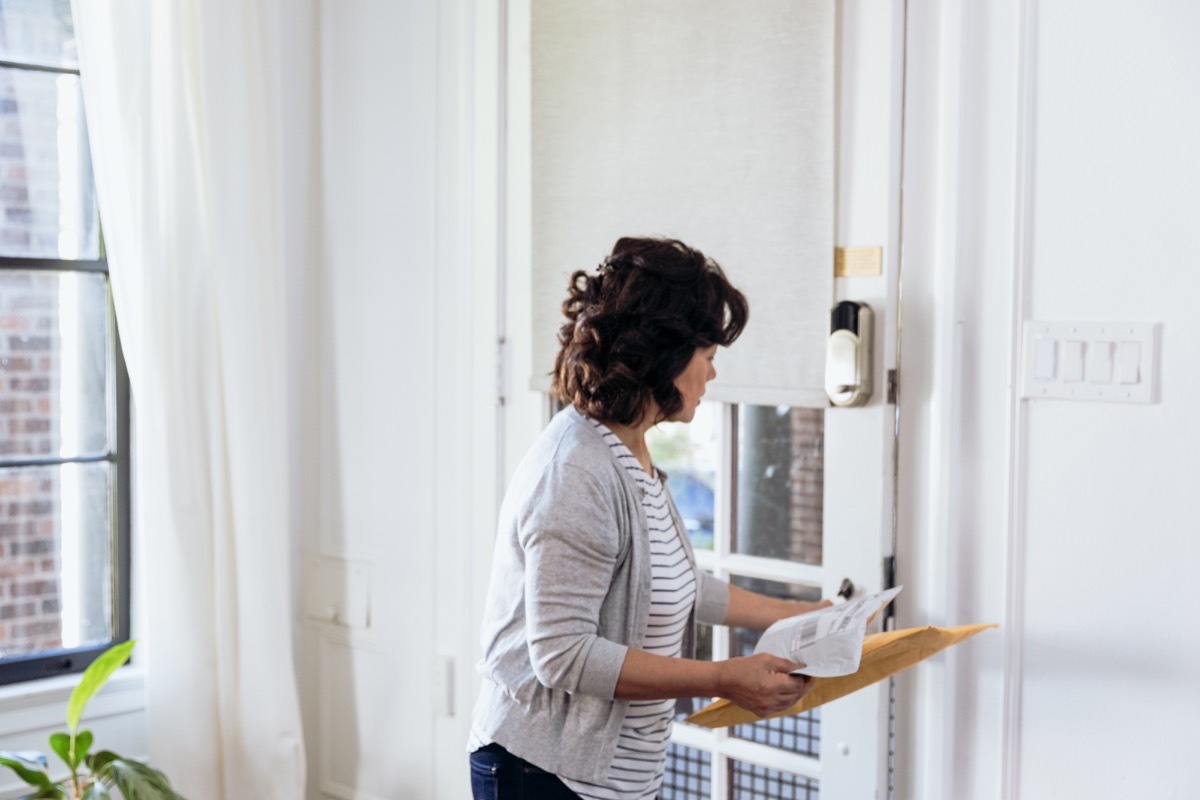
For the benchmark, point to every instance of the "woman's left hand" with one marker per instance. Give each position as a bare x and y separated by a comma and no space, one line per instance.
761,683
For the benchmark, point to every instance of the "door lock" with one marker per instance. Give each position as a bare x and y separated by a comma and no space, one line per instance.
848,364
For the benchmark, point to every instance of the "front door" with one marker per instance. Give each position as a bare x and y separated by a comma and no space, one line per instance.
780,499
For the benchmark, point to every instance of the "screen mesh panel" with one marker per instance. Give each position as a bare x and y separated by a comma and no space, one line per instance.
796,734
687,775
753,782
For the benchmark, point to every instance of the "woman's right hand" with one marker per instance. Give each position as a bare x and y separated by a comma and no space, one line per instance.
761,684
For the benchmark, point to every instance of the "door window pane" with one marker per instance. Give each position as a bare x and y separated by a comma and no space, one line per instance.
38,32
55,557
780,483
46,189
55,346
688,774
753,782
689,453
799,733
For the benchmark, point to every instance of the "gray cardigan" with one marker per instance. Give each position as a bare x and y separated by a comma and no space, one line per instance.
569,593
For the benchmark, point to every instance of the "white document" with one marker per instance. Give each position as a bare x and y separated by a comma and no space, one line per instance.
829,641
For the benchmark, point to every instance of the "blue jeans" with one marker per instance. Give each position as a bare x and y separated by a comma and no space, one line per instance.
497,774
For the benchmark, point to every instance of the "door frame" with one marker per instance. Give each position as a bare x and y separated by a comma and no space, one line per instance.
860,449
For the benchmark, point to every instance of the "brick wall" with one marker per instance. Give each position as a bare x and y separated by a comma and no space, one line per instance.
30,588
806,484
30,568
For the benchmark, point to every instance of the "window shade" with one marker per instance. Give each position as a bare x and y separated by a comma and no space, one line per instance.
711,122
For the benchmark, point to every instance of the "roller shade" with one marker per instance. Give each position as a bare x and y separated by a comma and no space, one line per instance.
711,122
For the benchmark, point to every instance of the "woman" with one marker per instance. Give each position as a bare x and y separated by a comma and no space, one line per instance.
594,594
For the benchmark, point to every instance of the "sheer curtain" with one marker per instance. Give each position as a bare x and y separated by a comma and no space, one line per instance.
183,105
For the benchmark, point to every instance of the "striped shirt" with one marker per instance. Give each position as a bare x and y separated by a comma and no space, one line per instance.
637,767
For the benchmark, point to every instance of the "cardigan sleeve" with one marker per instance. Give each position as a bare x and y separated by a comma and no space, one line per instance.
569,533
712,599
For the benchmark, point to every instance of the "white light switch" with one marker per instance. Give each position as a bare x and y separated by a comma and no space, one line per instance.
1100,361
1129,357
1114,362
1045,354
1072,361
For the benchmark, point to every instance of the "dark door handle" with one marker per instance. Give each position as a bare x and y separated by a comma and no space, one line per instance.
846,590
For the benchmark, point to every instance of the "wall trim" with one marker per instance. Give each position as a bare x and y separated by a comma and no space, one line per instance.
931,205
1014,601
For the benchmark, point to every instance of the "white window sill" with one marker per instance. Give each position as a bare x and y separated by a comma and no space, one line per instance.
37,705
31,711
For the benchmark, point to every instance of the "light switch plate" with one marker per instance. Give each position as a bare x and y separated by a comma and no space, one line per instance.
1094,361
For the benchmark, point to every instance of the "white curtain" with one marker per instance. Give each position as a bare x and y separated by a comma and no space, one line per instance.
183,106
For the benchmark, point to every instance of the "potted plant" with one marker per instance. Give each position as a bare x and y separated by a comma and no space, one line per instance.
93,776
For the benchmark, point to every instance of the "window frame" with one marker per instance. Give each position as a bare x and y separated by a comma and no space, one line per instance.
51,663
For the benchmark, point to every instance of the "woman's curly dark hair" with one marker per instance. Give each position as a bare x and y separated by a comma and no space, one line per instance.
633,328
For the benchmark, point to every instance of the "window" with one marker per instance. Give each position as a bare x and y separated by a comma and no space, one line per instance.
64,408
749,484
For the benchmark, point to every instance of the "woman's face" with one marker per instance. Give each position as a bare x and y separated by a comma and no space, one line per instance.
692,380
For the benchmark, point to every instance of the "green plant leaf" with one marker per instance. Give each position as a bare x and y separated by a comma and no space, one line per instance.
61,743
26,770
83,745
94,677
96,764
136,780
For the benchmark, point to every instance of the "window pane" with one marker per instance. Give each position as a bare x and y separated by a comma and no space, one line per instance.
55,558
46,184
754,782
780,482
800,733
38,32
688,774
689,454
742,640
55,372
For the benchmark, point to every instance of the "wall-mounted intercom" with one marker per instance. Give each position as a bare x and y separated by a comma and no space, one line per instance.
848,354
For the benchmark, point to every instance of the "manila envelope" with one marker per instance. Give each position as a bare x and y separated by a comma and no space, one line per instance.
884,654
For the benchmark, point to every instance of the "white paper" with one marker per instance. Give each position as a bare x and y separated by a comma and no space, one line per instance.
829,641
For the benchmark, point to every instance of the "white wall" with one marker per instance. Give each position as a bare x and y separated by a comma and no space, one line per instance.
401,421
375,516
1110,534
1064,192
